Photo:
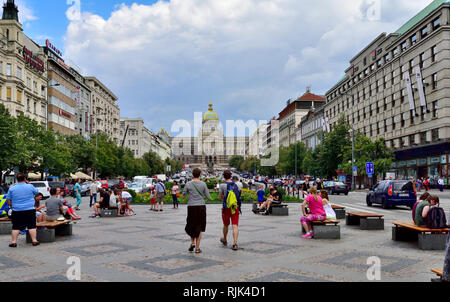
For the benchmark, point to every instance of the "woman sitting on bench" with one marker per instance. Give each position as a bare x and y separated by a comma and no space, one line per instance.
274,198
315,205
102,204
327,205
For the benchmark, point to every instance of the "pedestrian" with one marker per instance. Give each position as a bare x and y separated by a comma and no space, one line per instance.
93,193
54,205
77,189
426,183
20,199
175,194
238,183
441,184
230,212
160,189
197,192
102,204
319,185
305,188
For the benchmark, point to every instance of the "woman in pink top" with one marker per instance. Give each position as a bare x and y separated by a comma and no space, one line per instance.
317,212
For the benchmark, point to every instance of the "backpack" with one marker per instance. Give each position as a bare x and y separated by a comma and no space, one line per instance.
436,218
232,198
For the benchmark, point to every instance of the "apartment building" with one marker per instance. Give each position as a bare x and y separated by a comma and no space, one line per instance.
398,87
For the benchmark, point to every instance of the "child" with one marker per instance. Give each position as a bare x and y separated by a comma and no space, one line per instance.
327,205
152,198
68,207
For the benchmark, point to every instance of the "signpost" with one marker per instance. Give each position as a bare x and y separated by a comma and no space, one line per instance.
355,171
370,169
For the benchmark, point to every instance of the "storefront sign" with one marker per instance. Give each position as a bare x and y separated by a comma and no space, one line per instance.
402,164
61,62
52,47
61,112
33,60
435,160
443,159
422,162
412,163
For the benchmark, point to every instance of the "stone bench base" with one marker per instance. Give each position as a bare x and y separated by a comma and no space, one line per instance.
340,213
108,213
325,231
371,224
5,228
280,211
425,241
43,236
64,230
434,242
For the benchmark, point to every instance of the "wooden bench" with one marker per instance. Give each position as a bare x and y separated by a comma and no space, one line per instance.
328,229
48,230
428,239
5,226
439,273
109,212
279,210
339,210
366,221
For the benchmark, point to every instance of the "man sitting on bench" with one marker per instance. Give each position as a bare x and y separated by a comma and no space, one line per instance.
275,198
54,206
102,204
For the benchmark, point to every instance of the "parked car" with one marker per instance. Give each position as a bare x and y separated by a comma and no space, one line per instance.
278,182
137,187
334,187
392,193
113,183
43,187
104,184
61,185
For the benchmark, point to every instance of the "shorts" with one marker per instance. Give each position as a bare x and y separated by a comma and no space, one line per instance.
227,216
160,197
24,219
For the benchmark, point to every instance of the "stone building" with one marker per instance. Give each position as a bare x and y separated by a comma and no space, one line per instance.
398,88
23,69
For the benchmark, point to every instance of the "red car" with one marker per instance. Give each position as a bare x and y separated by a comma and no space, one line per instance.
104,184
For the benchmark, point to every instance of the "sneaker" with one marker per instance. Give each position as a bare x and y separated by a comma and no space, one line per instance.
309,235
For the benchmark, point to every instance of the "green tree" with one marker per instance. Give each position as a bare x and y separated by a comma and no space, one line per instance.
8,140
156,165
236,161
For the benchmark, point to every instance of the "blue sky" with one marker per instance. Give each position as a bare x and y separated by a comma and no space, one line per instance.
167,60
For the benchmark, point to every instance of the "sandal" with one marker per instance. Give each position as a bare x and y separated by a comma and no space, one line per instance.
199,251
36,243
235,247
13,245
191,249
223,242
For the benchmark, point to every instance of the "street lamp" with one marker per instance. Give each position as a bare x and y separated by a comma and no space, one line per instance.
96,143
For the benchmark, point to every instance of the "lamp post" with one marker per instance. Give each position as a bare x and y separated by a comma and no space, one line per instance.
96,143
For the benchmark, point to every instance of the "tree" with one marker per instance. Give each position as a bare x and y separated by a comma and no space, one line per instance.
8,139
287,163
236,161
154,162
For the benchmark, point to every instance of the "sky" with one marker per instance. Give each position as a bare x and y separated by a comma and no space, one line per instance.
166,60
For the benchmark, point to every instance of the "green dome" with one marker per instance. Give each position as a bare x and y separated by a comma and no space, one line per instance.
210,115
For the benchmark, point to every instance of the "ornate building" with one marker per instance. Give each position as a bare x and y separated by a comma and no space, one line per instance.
210,148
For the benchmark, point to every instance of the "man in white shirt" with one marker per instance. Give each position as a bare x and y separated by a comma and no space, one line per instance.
93,190
441,184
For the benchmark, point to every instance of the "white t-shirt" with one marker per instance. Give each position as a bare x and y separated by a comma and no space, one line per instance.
113,201
329,211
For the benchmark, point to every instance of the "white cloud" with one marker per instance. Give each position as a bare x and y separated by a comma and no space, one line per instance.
26,14
247,56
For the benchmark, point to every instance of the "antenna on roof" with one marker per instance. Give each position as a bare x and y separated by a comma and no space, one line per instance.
308,89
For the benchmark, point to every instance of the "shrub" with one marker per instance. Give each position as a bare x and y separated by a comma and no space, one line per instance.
132,193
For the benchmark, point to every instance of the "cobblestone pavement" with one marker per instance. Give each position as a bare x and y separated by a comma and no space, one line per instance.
153,247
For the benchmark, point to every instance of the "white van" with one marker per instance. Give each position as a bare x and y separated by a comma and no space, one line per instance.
42,187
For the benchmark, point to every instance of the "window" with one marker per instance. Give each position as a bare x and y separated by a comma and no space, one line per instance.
19,98
19,72
372,67
411,65
387,58
29,83
393,123
423,137
436,23
8,69
385,82
413,40
411,117
393,77
402,121
379,63
385,125
421,60
435,109
434,79
8,94
424,31
433,53
395,52
402,97
385,104
434,135
404,46
393,100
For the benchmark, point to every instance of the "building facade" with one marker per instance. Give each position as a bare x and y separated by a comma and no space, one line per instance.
210,148
292,115
256,141
83,117
311,126
23,69
398,88
104,110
